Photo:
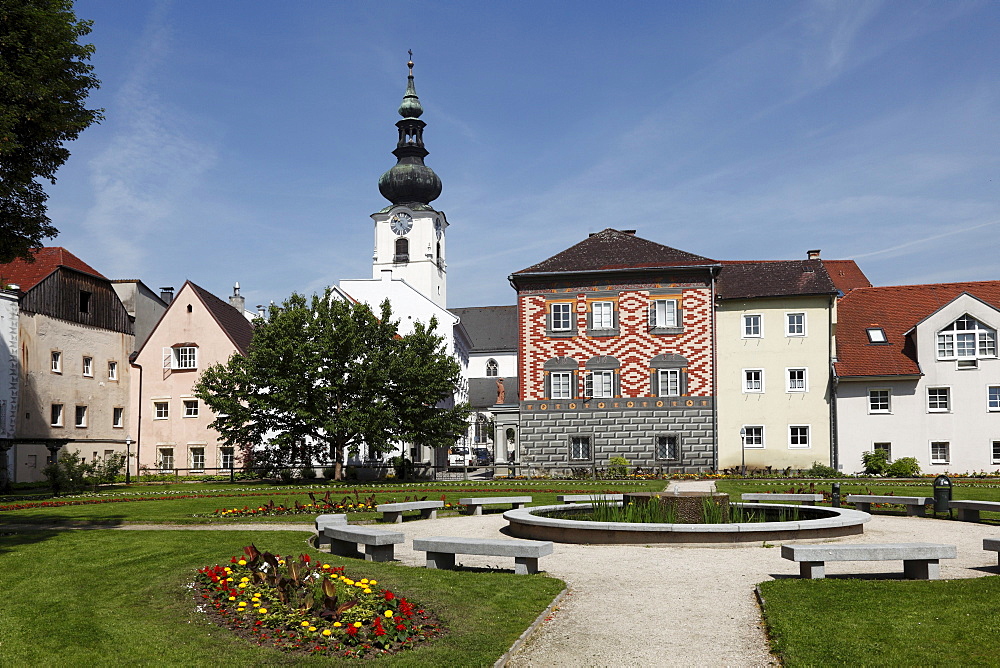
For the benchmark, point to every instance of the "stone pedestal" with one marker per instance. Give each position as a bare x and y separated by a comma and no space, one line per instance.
688,506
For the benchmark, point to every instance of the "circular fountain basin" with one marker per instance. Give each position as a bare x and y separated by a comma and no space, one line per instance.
815,522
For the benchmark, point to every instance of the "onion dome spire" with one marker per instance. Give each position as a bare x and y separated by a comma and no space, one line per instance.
410,181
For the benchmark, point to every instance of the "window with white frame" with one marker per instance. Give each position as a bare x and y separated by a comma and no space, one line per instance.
227,457
796,380
940,451
993,398
876,335
118,417
81,416
600,384
996,452
879,401
190,408
753,436
602,315
88,366
56,361
752,327
161,410
166,460
56,415
198,459
669,382
668,447
795,324
492,368
966,339
938,399
798,436
885,447
580,448
665,313
560,385
753,380
185,357
112,370
561,316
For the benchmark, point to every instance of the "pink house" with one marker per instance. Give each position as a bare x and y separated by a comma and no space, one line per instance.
197,330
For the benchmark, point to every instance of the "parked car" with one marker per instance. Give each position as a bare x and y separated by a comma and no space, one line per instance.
459,457
483,456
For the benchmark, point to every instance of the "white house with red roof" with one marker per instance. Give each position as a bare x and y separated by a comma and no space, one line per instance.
917,375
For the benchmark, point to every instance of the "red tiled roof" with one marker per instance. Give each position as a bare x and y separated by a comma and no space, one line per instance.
846,275
611,249
896,309
28,274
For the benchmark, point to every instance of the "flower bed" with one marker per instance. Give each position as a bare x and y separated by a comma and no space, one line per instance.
297,604
315,506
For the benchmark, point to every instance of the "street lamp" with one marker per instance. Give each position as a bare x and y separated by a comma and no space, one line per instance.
743,451
128,459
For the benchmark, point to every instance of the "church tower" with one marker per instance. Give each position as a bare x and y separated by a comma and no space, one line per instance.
410,233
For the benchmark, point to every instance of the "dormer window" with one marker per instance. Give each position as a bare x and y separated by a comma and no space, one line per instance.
876,335
966,340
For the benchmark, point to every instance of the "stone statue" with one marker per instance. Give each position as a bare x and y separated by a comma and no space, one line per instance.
501,392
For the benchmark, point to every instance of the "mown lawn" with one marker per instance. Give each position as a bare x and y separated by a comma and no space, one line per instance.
852,622
111,598
189,503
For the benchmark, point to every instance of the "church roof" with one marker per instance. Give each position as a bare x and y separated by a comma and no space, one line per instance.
490,328
27,275
610,250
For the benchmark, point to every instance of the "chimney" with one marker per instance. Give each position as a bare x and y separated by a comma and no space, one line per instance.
386,274
167,294
629,232
260,311
813,254
237,301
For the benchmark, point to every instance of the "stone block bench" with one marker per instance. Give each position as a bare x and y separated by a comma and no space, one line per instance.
968,511
441,551
920,560
476,504
587,498
378,542
914,504
805,499
393,512
324,521
993,545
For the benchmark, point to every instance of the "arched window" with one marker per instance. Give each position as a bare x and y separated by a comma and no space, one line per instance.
602,378
668,375
560,378
492,368
966,340
402,250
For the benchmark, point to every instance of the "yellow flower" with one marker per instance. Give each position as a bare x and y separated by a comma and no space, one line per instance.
357,625
244,579
242,562
243,585
326,565
328,632
232,598
229,579
373,582
388,613
367,590
262,611
312,628
337,624
365,580
243,604
305,623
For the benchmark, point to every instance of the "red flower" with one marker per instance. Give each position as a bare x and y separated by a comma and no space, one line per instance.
352,630
389,595
400,627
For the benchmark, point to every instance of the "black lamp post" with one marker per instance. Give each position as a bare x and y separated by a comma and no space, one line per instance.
743,451
128,459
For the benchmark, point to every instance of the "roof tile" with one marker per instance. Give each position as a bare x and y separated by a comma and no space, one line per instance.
28,274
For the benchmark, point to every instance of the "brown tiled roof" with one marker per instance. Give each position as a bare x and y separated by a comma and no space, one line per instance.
896,309
28,274
232,322
613,249
846,275
490,328
774,278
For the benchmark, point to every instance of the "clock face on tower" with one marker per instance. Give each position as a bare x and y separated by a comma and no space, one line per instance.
401,222
438,227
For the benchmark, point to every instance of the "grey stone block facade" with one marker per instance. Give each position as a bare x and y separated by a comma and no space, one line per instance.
547,431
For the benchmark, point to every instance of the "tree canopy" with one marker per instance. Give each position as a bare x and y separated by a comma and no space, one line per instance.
44,82
325,376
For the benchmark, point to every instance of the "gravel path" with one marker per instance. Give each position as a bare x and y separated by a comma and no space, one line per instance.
669,605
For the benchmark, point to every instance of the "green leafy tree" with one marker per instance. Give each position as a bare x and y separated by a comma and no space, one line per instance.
876,462
325,377
44,82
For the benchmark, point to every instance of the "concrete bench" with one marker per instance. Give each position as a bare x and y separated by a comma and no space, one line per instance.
587,498
476,503
378,542
441,551
805,499
968,511
324,521
920,560
914,504
993,545
393,512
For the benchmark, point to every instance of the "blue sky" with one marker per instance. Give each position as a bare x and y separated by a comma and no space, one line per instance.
244,139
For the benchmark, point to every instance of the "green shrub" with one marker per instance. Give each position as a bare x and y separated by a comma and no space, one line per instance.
617,467
876,462
329,472
309,473
904,467
822,471
286,475
402,466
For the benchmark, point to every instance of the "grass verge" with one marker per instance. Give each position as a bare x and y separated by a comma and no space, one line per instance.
111,598
883,623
